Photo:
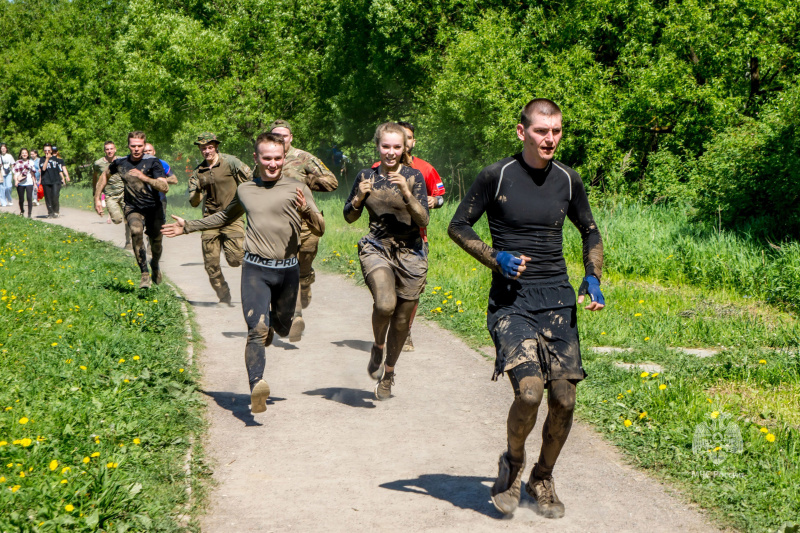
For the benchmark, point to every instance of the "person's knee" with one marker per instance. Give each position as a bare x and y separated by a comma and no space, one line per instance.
384,306
531,390
259,334
562,397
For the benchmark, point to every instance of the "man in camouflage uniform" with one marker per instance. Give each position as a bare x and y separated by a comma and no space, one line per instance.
114,189
307,169
214,181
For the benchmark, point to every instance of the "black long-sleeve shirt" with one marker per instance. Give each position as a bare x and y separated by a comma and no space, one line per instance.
526,208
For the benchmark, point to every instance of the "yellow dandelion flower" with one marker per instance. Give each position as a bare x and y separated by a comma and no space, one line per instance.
122,361
53,464
458,302
654,374
644,374
136,357
764,430
628,423
85,460
637,314
83,367
718,448
54,344
123,314
3,443
63,481
629,391
22,474
603,333
642,415
26,442
137,441
126,381
444,301
2,479
474,269
59,321
641,301
180,370
715,414
770,437
15,488
69,508
109,465
762,361
647,338
66,469
23,420
96,454
662,387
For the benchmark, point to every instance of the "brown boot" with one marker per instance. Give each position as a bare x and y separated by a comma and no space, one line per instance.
409,345
258,397
543,490
296,333
305,296
145,283
506,489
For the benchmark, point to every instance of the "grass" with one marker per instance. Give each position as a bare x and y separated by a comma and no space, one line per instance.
97,404
665,287
79,196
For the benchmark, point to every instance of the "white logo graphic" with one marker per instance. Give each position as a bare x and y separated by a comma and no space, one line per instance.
717,438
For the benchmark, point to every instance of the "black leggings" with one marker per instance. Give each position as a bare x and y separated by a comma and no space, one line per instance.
22,192
268,299
51,193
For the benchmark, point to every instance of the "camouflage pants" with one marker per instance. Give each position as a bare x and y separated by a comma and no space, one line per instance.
305,257
230,239
116,210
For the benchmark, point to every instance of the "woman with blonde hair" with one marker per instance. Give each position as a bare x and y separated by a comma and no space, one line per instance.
392,255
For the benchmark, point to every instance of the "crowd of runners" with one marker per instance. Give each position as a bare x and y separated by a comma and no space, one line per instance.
532,308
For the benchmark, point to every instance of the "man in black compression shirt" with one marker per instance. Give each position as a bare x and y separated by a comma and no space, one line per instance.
144,179
532,314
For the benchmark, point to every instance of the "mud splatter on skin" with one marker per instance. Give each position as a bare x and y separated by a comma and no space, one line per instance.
561,395
391,315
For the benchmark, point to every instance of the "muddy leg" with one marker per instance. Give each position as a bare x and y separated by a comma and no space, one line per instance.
528,391
398,330
561,406
381,284
136,223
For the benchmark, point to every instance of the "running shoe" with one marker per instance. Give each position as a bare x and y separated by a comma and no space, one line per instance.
156,276
298,325
543,490
506,489
145,283
409,345
375,365
383,390
258,397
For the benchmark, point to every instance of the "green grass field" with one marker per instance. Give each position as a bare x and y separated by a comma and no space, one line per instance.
97,404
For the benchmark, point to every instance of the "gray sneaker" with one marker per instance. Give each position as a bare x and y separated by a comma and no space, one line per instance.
543,490
375,365
409,345
383,390
507,486
258,397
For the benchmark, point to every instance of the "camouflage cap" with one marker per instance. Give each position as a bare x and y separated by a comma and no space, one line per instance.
280,123
205,138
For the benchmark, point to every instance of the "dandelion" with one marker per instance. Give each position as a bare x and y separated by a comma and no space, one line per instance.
121,361
662,387
23,420
15,488
85,460
59,321
628,423
603,333
3,443
715,414
718,448
137,441
66,469
641,301
69,508
53,464
764,430
642,415
63,481
2,479
126,381
123,314
762,362
109,465
136,358
444,301
644,374
638,314
458,302
180,370
474,269
96,454
629,391
654,374
54,344
26,442
83,367
22,474
770,437
647,338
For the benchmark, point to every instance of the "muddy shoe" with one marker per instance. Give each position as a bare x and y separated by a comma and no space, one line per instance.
157,276
544,492
506,489
305,296
226,300
128,245
258,398
383,390
409,345
298,325
145,283
375,366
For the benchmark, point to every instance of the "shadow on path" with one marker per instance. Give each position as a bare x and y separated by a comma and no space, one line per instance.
465,492
276,342
192,264
364,346
350,397
238,405
194,303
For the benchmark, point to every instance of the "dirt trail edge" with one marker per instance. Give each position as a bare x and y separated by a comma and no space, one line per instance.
327,457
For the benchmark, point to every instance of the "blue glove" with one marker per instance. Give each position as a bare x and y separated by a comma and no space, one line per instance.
591,285
508,264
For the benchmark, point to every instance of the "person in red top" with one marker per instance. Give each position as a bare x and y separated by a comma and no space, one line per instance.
435,188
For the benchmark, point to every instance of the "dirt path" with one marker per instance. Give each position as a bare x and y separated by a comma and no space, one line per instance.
327,457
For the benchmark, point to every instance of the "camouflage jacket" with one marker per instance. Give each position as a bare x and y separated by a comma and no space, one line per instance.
114,185
306,168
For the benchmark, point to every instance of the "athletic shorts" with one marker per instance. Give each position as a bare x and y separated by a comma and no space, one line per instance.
151,218
535,322
409,264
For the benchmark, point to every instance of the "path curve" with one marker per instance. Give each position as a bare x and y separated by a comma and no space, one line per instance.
327,457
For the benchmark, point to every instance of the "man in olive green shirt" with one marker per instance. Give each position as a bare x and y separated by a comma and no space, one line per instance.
214,182
307,169
114,189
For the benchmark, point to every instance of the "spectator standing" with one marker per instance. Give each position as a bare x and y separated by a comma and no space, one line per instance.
7,178
24,179
54,175
34,158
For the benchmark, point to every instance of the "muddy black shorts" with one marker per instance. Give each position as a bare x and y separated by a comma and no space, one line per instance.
407,261
535,322
150,219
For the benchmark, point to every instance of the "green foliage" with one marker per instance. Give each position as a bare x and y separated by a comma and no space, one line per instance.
96,408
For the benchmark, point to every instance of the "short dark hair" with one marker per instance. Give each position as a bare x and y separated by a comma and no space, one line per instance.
269,138
137,135
46,145
107,143
407,125
538,106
